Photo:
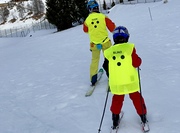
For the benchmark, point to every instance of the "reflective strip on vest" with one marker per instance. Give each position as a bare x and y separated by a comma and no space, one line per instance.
123,77
97,28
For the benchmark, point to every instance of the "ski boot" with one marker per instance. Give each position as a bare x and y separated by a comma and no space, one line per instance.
143,118
115,118
144,123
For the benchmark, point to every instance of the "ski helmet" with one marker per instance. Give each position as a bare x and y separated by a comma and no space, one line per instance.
92,4
120,33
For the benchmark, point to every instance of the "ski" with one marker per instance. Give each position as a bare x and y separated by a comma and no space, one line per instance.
145,127
92,87
117,128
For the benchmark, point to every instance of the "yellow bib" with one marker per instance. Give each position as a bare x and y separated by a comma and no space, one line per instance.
123,77
97,28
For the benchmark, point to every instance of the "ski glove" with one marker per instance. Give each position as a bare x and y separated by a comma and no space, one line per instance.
99,46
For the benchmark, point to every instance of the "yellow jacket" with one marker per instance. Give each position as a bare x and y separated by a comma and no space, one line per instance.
123,77
96,25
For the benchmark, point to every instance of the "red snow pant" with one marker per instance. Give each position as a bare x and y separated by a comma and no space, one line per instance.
137,99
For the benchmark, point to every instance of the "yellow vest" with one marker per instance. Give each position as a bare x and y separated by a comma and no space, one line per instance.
123,77
97,28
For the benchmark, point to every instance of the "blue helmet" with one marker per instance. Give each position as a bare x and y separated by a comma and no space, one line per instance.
92,4
120,32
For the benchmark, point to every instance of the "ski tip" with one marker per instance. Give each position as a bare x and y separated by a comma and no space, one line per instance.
88,94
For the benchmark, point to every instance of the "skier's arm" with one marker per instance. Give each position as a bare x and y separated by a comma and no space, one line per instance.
136,60
85,28
110,25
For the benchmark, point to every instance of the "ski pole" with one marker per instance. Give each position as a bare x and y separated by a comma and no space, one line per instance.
99,130
140,89
139,80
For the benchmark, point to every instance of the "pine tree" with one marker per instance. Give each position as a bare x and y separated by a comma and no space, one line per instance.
63,13
38,7
81,11
121,1
104,5
4,13
58,13
113,4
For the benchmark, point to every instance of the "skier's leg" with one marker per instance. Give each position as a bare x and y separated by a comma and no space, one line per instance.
117,103
105,66
94,64
139,104
106,45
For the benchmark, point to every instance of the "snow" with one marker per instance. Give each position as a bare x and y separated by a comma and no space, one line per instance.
4,1
44,77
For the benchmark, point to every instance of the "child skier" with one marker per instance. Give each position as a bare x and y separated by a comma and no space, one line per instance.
97,26
123,76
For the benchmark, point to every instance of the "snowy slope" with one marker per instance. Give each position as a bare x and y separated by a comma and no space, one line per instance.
44,77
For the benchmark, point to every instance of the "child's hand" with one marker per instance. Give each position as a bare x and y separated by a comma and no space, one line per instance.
99,46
